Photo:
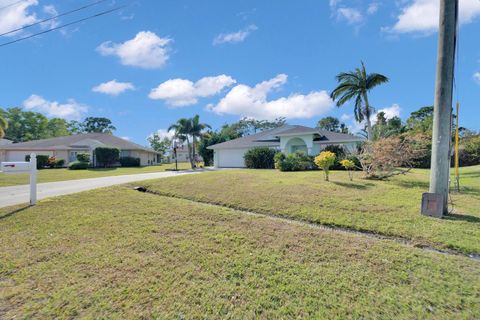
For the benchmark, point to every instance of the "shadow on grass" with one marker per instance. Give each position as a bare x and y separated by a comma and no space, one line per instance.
462,217
101,169
9,214
353,185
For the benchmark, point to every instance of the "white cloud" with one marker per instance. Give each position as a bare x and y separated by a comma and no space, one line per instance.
346,117
373,8
16,16
476,77
345,13
234,37
51,11
126,138
146,50
164,133
182,92
69,110
251,102
351,15
113,87
422,16
393,111
390,112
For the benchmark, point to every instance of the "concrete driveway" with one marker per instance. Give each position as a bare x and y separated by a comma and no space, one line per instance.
14,195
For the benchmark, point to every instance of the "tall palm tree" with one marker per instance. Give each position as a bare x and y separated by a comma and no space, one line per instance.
3,126
196,130
183,130
356,85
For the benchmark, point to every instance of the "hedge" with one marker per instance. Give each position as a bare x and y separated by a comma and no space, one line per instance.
260,158
42,160
78,165
107,156
83,157
130,162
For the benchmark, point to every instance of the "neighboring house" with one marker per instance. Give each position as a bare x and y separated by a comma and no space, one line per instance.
5,142
183,155
288,139
68,147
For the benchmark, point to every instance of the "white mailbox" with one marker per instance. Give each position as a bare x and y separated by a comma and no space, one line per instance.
25,167
15,167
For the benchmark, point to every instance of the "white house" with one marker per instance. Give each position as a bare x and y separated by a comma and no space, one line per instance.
288,139
68,147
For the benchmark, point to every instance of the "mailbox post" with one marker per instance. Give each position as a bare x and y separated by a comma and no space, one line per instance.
33,179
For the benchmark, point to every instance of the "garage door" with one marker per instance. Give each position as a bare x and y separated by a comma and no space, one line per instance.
231,158
20,155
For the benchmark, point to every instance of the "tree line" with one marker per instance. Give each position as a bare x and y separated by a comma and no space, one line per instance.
18,125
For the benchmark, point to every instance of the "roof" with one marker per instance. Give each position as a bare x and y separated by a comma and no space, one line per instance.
78,141
271,137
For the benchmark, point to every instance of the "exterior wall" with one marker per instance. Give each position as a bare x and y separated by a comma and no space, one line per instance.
146,158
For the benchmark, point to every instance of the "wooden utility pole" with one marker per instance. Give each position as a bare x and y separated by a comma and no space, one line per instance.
442,114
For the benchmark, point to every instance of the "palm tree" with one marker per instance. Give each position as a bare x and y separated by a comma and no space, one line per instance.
3,126
183,129
196,130
356,85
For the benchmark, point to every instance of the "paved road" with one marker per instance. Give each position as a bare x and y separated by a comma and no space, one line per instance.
14,195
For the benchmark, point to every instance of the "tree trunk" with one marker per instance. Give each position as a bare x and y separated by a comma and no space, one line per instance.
189,152
194,163
367,116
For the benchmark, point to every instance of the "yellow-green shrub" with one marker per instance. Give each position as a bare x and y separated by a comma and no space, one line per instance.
349,165
324,161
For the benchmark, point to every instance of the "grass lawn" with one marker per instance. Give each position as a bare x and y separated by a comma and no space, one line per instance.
385,207
124,254
51,175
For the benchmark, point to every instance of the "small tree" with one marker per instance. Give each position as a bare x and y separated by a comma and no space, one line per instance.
387,157
107,156
349,165
324,161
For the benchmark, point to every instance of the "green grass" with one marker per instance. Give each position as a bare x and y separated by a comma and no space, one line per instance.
51,175
121,254
386,207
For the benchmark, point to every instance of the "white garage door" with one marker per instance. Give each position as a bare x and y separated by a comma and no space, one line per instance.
231,158
20,155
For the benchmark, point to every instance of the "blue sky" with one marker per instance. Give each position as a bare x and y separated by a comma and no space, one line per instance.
153,62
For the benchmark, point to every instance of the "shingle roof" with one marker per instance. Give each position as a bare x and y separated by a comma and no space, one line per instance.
270,138
84,140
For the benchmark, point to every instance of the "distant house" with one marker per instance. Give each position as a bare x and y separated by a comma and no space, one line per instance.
288,139
68,147
183,155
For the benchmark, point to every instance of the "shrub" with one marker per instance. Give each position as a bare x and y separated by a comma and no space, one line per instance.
388,157
77,165
278,158
42,160
130,162
59,163
260,158
324,161
83,157
107,156
349,165
469,152
297,161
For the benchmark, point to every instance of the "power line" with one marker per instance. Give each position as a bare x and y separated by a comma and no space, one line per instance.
52,18
11,4
64,25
